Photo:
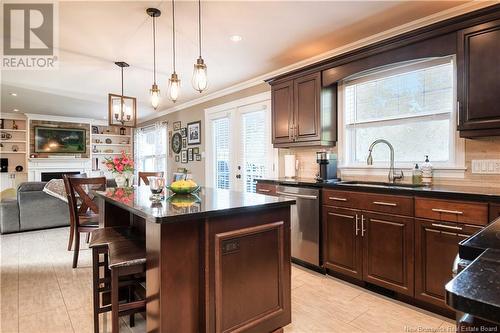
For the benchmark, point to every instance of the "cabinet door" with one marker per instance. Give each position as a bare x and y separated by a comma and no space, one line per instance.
435,251
306,92
478,56
388,251
282,112
342,249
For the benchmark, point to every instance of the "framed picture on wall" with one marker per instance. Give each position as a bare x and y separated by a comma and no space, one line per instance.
184,132
184,143
95,130
198,157
177,125
190,154
194,133
184,156
177,158
196,150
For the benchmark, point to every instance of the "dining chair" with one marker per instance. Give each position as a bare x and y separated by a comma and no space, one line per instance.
143,176
84,212
71,220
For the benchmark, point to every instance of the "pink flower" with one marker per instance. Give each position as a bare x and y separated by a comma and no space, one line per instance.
125,161
116,160
119,167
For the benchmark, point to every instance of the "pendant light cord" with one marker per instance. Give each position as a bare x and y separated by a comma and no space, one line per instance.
154,50
173,31
122,81
199,25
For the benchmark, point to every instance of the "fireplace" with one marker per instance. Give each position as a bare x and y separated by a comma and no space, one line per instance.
46,176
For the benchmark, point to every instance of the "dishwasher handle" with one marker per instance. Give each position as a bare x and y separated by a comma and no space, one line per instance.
295,195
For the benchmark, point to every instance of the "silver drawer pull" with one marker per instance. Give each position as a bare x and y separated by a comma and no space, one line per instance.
263,190
381,203
337,199
341,215
439,210
294,195
438,225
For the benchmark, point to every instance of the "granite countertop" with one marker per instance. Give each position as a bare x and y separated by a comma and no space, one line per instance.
483,193
208,202
476,289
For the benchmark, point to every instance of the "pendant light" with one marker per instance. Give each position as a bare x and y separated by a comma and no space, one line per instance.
174,84
200,78
154,91
122,109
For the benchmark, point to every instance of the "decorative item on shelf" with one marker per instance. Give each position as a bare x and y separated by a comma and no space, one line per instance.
1,145
94,150
14,125
1,123
174,83
177,158
190,154
123,131
184,132
4,164
177,125
194,133
200,77
95,130
123,168
184,158
97,141
109,151
198,157
184,143
122,109
19,168
15,148
176,143
154,91
124,142
5,136
108,141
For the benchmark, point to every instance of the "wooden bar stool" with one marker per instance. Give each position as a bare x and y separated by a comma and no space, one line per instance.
127,268
143,176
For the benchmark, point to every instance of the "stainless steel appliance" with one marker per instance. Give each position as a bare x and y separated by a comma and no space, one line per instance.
304,223
327,166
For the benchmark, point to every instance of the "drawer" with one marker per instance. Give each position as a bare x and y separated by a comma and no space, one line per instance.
494,211
392,204
452,211
266,188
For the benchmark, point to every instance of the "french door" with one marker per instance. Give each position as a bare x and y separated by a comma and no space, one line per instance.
239,149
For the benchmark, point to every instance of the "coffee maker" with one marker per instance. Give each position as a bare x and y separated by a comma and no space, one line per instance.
327,166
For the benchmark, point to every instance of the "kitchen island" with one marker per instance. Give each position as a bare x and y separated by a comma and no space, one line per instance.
215,262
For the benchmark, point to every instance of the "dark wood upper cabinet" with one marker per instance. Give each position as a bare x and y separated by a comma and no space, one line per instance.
304,113
478,76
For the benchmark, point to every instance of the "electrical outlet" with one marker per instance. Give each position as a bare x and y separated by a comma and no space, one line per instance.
486,166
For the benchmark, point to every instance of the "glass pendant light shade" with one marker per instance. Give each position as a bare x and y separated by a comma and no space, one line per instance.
200,77
174,87
155,96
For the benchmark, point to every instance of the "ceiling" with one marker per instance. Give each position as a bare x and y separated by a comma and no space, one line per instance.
92,35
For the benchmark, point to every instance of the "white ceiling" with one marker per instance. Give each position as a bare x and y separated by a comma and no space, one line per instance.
275,34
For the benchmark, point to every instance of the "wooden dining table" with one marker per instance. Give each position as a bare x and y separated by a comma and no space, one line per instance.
217,261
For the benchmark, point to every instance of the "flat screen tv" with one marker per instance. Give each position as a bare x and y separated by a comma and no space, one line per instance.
60,140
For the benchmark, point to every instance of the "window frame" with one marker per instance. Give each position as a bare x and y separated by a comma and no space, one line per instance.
454,167
139,159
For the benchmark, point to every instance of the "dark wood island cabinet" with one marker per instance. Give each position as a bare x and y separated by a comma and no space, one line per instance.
219,262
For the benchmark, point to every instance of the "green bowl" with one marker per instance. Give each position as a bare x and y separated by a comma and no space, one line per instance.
184,190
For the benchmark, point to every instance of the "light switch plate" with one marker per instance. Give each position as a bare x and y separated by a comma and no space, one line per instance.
486,166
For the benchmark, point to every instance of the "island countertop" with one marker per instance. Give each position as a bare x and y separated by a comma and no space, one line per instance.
208,202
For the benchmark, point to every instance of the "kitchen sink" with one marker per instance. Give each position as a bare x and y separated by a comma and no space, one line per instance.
381,184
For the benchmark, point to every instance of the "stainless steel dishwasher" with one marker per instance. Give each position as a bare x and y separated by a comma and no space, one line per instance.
304,223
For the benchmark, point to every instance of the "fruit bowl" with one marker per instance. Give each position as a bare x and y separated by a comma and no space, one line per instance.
184,187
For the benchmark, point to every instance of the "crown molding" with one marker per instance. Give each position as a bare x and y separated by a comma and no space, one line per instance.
420,23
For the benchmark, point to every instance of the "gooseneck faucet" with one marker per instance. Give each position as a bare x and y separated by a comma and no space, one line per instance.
392,174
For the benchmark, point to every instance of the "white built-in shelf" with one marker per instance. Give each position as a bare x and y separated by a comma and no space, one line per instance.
114,135
12,141
12,130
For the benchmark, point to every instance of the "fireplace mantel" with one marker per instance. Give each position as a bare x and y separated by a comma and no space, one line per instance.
36,166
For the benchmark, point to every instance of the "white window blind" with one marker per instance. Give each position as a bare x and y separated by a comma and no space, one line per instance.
151,148
255,154
411,106
221,146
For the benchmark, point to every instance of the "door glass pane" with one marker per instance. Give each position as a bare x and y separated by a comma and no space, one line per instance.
255,155
220,129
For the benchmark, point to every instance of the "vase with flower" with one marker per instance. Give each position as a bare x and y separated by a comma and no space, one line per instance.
122,167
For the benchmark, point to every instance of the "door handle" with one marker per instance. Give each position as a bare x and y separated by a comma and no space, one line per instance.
381,203
294,195
357,227
439,225
363,230
337,199
439,210
342,215
263,190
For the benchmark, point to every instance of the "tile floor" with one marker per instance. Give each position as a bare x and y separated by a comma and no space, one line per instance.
40,292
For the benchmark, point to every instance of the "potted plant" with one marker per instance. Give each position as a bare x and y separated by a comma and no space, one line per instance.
123,168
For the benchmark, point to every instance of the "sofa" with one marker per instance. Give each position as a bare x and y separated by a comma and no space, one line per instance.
32,209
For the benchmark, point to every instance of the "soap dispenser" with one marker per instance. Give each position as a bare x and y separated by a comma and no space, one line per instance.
416,175
427,171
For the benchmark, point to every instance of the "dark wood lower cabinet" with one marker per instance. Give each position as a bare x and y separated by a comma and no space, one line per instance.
342,248
435,251
388,251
